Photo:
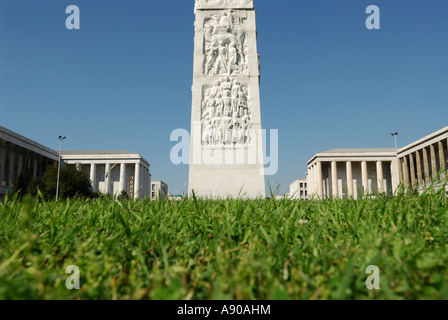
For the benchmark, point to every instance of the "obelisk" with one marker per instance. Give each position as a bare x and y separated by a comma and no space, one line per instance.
226,151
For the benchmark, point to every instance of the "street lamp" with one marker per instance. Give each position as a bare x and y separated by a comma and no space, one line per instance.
395,136
61,138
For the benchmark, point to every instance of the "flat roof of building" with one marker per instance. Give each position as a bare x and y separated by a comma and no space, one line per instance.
158,181
360,150
97,152
355,152
100,154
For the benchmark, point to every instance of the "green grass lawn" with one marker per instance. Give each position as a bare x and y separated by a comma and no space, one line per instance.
233,249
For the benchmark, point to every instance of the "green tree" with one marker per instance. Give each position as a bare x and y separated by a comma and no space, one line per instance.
72,183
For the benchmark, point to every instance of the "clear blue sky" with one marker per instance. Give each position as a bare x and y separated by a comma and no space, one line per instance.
123,81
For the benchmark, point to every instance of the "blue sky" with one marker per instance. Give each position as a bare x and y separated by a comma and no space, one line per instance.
123,81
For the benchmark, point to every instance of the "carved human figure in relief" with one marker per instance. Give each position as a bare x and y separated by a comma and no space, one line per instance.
208,132
210,55
221,59
228,124
242,105
233,59
245,120
238,135
249,133
216,89
217,133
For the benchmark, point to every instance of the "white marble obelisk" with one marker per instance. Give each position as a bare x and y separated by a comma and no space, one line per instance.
226,158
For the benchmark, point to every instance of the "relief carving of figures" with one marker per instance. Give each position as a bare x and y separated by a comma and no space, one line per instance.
225,45
226,117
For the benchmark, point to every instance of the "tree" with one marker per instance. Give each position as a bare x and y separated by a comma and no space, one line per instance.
72,183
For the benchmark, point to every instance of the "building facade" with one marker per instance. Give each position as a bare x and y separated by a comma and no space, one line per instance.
19,154
425,161
352,173
345,173
159,190
112,172
298,189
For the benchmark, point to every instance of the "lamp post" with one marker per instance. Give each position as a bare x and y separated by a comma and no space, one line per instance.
61,138
396,146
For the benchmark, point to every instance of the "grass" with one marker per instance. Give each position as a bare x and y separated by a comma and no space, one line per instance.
230,249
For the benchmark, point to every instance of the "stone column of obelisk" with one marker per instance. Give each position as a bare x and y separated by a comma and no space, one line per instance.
226,152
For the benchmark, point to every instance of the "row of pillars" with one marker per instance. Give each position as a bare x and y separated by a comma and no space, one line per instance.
316,179
420,168
14,159
141,182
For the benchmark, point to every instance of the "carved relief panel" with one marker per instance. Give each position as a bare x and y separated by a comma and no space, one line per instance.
225,44
226,115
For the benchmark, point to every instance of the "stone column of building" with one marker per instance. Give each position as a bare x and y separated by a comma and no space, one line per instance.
441,160
380,176
7,167
446,164
314,177
2,162
407,180
395,175
145,171
15,168
20,160
400,170
308,178
426,167
39,165
16,172
93,176
32,167
412,171
419,169
107,179
149,184
25,160
433,162
320,191
334,178
148,179
123,177
137,181
144,181
365,178
349,169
